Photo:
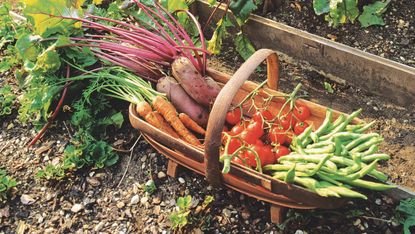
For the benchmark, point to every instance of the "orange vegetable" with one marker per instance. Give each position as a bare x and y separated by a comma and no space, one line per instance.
167,110
190,124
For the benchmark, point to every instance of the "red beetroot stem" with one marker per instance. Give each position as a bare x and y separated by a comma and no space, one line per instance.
55,112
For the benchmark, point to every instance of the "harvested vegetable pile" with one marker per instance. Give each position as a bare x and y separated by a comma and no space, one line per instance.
331,160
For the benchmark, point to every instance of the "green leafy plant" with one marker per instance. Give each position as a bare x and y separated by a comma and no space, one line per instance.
241,9
150,187
342,11
6,183
407,208
7,98
184,215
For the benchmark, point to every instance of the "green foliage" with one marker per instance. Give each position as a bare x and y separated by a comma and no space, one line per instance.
341,11
328,88
241,9
183,214
407,208
372,14
6,183
150,187
6,100
86,150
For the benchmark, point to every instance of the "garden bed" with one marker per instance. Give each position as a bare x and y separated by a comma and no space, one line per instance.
107,207
375,74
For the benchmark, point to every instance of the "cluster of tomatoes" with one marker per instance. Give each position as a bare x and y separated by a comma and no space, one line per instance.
266,134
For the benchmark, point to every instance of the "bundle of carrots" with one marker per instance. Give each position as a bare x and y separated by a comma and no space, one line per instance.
151,105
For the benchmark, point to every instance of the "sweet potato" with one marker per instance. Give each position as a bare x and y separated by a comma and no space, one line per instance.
182,101
198,87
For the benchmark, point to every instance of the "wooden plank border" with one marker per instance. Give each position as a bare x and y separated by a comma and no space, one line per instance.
380,76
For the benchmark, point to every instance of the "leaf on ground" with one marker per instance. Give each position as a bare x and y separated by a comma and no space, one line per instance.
244,46
372,14
328,88
321,6
342,11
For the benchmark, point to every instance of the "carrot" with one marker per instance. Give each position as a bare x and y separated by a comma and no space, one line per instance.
190,124
143,108
167,110
165,126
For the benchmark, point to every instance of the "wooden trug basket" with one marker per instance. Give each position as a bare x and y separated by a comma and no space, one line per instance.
244,180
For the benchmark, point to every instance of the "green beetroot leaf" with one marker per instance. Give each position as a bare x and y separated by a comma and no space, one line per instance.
200,88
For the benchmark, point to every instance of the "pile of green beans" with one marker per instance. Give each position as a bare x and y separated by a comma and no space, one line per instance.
332,160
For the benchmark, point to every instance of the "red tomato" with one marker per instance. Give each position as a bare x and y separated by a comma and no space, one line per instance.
256,128
264,114
249,137
300,127
249,158
266,155
289,137
277,134
236,130
234,116
280,151
287,121
302,112
234,144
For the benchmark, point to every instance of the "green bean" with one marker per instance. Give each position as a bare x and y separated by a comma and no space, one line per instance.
281,174
289,177
324,150
369,158
370,185
326,123
328,179
342,125
337,122
372,149
341,190
315,158
319,144
305,134
349,170
366,145
353,127
343,136
364,171
348,162
338,146
361,139
366,127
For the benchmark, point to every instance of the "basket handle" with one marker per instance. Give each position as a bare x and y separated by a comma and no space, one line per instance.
221,106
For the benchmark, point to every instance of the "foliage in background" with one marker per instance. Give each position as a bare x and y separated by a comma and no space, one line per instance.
6,183
6,100
407,208
185,215
341,11
241,9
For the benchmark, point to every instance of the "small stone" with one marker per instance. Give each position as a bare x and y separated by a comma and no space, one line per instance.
77,207
120,205
299,232
375,108
27,199
4,212
157,210
144,158
378,201
93,181
245,214
226,212
161,175
181,180
43,149
99,226
156,200
144,200
357,222
134,200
